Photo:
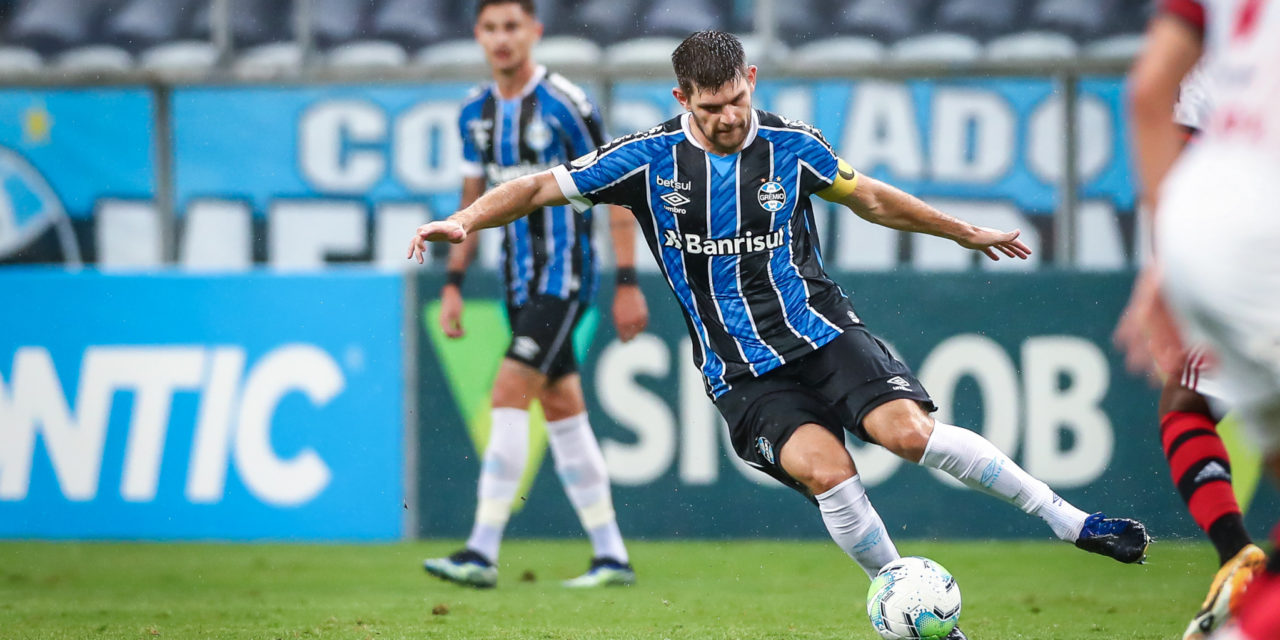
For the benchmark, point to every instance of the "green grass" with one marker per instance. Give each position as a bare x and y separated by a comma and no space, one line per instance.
694,590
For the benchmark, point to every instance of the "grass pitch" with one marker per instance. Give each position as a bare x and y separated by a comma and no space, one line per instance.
695,590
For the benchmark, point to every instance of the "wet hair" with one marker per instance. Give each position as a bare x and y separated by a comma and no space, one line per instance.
526,5
707,60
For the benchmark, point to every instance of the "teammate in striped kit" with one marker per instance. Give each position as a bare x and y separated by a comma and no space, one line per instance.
526,121
1216,269
722,196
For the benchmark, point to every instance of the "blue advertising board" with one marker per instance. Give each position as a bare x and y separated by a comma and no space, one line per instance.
63,152
253,406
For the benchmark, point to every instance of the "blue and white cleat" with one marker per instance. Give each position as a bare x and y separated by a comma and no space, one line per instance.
466,568
1124,539
604,572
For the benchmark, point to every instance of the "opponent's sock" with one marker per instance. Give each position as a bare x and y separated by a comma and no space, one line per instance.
582,471
855,526
504,461
1201,470
974,461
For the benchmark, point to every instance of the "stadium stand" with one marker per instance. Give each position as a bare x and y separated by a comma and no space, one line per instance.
179,35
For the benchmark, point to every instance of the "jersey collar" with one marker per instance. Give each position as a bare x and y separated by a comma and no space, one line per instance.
686,125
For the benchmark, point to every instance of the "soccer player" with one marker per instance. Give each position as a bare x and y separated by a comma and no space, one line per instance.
722,196
1192,404
526,121
1217,264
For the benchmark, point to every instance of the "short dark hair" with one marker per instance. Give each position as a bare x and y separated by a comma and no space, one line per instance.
527,5
707,60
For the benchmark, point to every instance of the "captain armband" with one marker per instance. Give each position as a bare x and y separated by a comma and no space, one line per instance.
846,182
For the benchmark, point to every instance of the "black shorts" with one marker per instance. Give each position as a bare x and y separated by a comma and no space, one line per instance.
542,334
834,387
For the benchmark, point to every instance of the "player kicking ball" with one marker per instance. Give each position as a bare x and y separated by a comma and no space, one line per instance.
722,196
524,121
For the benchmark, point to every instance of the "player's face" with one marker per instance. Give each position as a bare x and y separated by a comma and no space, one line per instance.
507,35
722,115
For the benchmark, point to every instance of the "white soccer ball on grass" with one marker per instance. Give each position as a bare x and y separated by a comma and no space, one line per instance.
912,599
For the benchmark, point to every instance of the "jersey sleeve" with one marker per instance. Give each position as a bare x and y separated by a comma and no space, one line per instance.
612,174
1191,11
821,164
471,164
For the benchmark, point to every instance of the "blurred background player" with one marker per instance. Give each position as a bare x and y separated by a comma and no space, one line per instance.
523,122
783,354
1192,404
1216,273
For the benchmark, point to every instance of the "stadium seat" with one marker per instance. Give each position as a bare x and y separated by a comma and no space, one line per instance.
456,53
885,20
18,61
606,21
1032,46
414,23
681,17
567,51
269,60
334,22
140,24
366,54
834,52
98,58
1125,46
49,26
982,19
179,56
253,22
1081,19
936,47
643,53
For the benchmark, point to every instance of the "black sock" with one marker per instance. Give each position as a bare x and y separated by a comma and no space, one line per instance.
1229,536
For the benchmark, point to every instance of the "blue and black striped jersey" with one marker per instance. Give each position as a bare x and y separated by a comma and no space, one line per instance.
734,236
549,251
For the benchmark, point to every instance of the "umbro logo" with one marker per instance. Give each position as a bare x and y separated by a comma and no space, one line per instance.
1213,471
675,200
525,347
899,383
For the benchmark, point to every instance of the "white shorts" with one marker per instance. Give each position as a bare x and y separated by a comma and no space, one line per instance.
1200,374
1218,238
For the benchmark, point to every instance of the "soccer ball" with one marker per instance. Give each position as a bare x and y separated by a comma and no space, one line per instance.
913,598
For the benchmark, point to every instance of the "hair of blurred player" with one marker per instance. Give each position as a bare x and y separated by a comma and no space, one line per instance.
526,5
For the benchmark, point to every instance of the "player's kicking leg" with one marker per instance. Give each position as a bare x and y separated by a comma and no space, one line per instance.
903,427
1201,471
581,468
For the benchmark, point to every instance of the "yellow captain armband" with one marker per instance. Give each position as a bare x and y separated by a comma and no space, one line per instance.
846,182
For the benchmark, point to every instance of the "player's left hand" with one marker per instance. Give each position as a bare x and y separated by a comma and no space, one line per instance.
435,231
989,241
1146,332
630,312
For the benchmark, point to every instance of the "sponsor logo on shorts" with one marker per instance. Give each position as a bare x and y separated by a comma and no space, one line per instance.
766,448
525,347
899,383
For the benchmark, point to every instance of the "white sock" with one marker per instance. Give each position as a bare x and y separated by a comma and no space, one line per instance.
973,460
504,461
581,468
855,526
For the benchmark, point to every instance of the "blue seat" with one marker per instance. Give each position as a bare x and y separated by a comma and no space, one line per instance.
1081,19
49,26
253,22
887,20
982,19
140,24
416,23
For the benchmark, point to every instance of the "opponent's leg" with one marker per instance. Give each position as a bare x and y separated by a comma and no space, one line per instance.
815,458
581,468
903,427
502,466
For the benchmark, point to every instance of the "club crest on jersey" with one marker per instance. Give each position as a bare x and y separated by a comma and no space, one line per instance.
766,448
480,132
772,196
537,135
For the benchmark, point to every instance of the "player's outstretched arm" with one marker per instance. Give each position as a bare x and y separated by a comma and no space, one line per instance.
891,207
499,206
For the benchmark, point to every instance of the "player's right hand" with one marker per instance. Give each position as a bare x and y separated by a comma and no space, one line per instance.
434,231
451,311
